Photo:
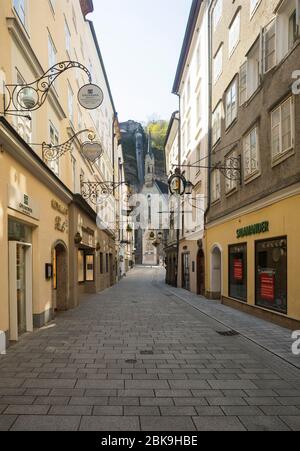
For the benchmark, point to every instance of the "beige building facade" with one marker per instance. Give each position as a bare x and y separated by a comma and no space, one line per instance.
57,245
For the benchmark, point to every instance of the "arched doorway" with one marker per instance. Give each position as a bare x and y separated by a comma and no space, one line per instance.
216,272
201,273
60,276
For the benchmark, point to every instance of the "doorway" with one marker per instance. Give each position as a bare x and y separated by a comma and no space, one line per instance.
216,273
20,289
186,271
201,273
60,277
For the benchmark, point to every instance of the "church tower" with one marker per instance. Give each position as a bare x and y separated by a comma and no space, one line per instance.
149,165
139,146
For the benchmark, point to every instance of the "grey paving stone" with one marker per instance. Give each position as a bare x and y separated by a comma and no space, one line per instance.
167,424
122,401
17,400
100,384
100,393
280,410
293,422
237,411
141,411
218,424
49,383
178,411
264,423
27,410
146,384
52,400
70,410
11,382
6,422
287,401
156,402
173,393
108,411
37,392
208,411
88,401
110,423
231,385
46,423
190,401
136,393
226,401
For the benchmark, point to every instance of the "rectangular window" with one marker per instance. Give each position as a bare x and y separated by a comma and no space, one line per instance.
54,141
216,185
238,272
89,268
217,123
271,274
218,64
253,6
20,7
234,33
217,13
243,83
70,103
293,29
251,153
231,103
68,39
231,178
101,263
253,69
282,128
269,46
80,266
107,266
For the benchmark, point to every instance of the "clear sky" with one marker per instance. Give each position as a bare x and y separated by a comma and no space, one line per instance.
140,41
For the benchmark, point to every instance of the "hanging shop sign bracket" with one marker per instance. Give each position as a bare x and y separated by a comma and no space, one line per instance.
29,97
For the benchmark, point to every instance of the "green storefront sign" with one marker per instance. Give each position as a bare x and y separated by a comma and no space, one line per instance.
254,229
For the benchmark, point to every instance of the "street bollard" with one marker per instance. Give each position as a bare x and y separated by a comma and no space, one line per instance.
2,343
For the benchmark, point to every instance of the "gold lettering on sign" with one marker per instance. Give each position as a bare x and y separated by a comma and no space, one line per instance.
60,208
60,225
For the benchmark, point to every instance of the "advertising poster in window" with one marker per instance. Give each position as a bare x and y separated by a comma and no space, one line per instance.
238,269
267,286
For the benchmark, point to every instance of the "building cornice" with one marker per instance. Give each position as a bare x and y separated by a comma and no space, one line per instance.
274,198
18,149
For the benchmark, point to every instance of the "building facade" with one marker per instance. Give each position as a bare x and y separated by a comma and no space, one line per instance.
54,249
252,244
190,86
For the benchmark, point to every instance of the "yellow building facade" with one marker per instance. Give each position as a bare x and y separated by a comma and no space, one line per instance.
52,249
263,273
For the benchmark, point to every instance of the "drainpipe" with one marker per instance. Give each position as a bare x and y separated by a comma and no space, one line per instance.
179,165
209,137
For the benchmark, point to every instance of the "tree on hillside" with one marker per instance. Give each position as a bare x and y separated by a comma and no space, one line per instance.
158,130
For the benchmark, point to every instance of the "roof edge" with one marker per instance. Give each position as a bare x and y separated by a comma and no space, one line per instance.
191,25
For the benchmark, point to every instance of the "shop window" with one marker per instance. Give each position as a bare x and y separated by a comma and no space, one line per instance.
271,274
101,263
238,272
89,268
80,266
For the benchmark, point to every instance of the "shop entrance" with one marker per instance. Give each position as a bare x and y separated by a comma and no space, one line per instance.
20,289
60,276
201,273
216,273
186,271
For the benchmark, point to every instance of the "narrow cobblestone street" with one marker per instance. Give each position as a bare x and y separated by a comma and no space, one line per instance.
137,357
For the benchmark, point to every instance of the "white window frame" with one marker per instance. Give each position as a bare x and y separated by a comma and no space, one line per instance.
217,131
264,40
233,41
230,118
54,164
218,64
252,171
20,6
216,18
216,186
254,4
283,152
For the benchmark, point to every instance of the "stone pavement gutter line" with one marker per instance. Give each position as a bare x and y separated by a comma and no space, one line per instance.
241,333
